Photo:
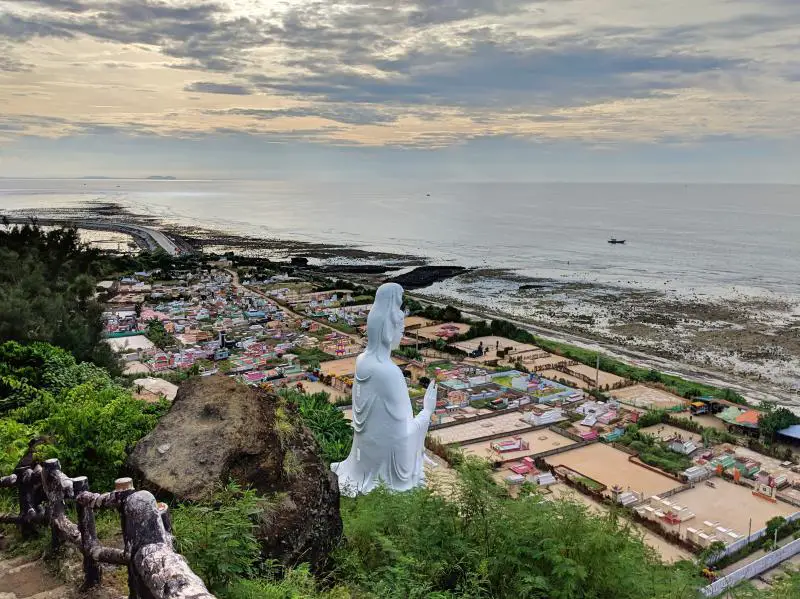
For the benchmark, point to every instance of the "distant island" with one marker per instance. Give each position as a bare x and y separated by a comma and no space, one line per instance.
150,178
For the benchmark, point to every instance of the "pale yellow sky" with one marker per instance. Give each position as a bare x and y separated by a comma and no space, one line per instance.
420,73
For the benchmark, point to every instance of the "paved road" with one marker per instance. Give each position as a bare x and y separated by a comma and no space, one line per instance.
147,237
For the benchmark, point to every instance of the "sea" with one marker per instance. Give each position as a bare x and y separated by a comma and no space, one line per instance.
712,239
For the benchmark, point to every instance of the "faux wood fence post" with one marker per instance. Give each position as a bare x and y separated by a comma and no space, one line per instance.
155,570
55,497
27,509
86,525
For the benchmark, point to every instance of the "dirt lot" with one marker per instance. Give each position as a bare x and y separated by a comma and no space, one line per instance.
461,433
539,441
430,332
412,322
646,397
665,431
731,505
669,553
606,378
706,420
611,467
555,375
345,366
490,344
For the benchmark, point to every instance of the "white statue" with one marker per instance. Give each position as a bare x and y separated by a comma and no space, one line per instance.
388,441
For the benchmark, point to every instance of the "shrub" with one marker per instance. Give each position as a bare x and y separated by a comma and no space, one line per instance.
218,537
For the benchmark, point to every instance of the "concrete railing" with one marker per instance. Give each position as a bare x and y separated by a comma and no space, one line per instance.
155,570
751,570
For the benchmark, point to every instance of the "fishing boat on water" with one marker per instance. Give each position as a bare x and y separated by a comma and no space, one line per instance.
615,241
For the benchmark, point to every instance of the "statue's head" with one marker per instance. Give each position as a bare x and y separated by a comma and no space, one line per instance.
386,319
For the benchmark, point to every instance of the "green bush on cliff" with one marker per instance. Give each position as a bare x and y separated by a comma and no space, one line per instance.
327,423
89,423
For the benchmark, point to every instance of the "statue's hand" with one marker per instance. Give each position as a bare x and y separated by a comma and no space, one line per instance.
429,402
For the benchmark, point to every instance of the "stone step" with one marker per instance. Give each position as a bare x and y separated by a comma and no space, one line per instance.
21,579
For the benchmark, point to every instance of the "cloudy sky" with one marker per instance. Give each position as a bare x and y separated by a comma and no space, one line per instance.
488,89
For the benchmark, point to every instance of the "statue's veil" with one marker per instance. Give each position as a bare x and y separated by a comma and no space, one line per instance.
380,328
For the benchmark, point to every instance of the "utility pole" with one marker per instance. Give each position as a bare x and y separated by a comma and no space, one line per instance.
597,374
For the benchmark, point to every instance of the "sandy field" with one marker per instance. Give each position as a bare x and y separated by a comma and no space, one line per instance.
668,552
606,378
611,467
504,423
555,375
345,366
414,322
317,387
430,332
490,343
729,504
706,420
132,343
665,431
645,397
539,441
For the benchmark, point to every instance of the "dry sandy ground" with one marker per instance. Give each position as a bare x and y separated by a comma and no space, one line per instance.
490,343
731,505
646,397
706,420
411,322
669,553
556,375
611,467
430,332
606,378
539,441
504,423
665,431
345,366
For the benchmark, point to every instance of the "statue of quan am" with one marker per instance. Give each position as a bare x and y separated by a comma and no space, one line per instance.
388,441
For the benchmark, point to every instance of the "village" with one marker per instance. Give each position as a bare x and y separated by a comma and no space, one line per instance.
688,473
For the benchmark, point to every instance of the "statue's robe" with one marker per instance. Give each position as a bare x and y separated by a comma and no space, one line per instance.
388,442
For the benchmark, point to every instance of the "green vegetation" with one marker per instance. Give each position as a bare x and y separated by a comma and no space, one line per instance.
325,421
773,420
47,284
312,357
409,352
88,422
156,333
654,452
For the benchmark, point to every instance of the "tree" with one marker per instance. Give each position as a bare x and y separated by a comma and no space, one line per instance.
46,291
774,420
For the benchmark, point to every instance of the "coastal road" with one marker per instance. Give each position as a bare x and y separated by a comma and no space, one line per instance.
752,391
146,237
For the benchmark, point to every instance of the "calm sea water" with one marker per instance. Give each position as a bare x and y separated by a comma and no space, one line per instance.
704,237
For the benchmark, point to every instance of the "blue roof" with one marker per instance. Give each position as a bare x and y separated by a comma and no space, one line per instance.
792,431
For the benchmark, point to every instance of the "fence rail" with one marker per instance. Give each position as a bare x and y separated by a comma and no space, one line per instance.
155,570
751,570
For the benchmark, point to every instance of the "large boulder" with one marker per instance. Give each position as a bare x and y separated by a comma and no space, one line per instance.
218,429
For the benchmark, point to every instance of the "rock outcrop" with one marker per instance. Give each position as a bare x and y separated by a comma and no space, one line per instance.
217,430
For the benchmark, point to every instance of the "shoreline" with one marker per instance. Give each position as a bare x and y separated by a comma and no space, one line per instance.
633,325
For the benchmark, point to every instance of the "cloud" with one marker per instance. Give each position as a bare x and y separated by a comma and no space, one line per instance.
350,115
204,34
207,87
486,70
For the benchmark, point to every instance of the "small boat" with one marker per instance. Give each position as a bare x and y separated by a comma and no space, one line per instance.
615,240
